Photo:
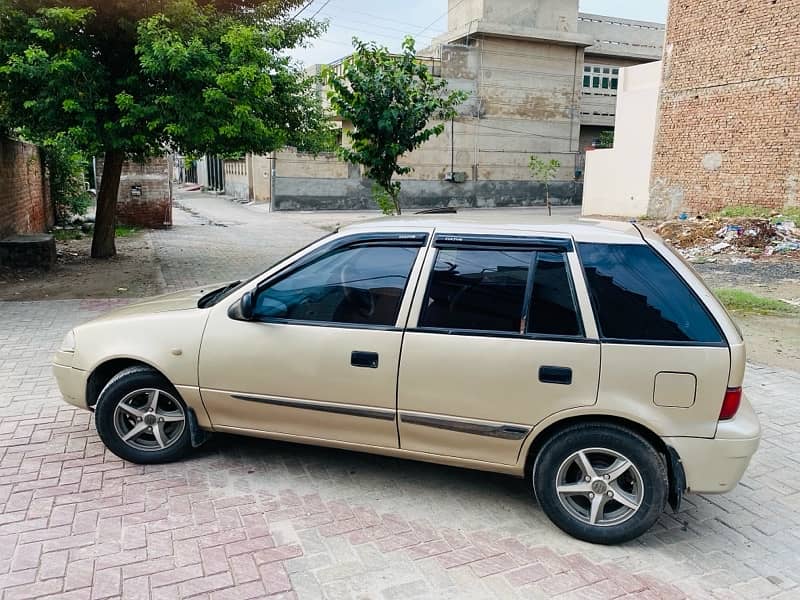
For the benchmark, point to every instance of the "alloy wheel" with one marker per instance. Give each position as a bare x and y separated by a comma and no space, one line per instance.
599,487
149,420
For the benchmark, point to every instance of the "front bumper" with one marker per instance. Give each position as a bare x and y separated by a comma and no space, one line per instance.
72,383
715,466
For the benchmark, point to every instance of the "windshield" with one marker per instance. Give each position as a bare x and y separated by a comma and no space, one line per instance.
215,297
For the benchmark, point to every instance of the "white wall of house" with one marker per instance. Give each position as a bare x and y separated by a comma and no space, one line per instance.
202,172
617,180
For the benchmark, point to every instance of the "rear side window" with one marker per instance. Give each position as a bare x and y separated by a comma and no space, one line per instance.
494,290
638,297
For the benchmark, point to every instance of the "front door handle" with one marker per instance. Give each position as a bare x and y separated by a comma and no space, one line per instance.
367,360
556,375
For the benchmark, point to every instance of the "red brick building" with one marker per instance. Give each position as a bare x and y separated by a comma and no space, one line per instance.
145,193
25,205
729,126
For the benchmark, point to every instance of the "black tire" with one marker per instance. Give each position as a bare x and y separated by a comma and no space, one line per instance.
174,439
562,460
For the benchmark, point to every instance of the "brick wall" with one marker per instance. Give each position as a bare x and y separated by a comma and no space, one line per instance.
145,196
728,128
25,205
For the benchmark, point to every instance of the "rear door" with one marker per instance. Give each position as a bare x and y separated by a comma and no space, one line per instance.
496,343
665,358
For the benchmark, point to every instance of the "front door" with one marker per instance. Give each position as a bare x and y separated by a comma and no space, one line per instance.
498,347
319,358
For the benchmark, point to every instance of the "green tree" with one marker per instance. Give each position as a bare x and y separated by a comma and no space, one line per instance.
66,169
130,79
607,139
544,172
390,100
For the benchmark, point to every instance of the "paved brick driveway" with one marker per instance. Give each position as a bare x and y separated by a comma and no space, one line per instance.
253,518
214,240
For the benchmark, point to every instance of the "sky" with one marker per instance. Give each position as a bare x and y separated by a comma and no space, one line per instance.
388,21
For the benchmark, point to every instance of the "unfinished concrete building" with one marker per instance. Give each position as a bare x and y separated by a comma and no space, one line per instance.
542,80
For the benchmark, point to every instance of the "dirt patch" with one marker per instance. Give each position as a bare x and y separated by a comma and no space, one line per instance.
753,238
683,235
772,341
133,273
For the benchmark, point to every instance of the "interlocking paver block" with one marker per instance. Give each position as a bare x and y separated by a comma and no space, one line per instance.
528,574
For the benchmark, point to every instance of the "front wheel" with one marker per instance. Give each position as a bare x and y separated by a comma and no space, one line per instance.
603,484
141,418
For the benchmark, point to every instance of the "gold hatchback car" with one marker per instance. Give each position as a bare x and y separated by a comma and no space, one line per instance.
585,355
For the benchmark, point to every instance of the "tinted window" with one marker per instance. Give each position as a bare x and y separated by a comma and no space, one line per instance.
553,310
637,296
362,286
477,289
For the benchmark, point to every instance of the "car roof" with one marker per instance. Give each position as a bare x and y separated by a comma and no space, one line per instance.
508,223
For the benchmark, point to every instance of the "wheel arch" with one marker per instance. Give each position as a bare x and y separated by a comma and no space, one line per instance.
677,477
105,371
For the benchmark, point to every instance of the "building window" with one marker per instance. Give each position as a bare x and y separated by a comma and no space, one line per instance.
600,80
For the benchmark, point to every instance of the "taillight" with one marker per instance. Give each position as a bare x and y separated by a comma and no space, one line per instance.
730,406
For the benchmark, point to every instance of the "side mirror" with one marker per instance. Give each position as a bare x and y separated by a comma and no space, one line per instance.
247,303
243,310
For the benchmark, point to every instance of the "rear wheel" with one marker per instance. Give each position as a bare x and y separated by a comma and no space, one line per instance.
601,483
141,418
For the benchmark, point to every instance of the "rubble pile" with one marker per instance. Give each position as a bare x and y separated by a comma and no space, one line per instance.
747,237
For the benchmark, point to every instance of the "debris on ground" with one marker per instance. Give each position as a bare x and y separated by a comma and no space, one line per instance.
742,238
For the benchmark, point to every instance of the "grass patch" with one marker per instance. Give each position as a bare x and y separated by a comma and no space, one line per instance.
63,235
758,212
790,214
126,231
747,212
747,303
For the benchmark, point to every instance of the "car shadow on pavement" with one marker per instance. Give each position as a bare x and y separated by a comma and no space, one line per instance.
269,466
451,496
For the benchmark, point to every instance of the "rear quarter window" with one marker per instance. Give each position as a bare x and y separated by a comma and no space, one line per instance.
638,297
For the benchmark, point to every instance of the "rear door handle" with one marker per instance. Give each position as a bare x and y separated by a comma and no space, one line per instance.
555,375
367,360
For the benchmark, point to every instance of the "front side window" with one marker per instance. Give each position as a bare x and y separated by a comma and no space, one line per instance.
359,285
494,291
638,297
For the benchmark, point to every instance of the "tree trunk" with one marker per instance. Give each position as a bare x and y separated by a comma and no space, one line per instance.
547,195
396,199
105,222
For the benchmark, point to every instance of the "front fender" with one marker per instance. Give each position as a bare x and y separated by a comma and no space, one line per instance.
167,341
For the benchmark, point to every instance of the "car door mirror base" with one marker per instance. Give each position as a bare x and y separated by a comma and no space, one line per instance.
243,309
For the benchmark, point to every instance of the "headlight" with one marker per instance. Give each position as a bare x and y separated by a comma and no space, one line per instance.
68,345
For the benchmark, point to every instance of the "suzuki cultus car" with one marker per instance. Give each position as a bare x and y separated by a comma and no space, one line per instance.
586,356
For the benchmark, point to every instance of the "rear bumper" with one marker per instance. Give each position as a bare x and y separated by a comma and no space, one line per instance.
72,383
715,466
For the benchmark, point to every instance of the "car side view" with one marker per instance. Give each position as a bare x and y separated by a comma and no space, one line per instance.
586,356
